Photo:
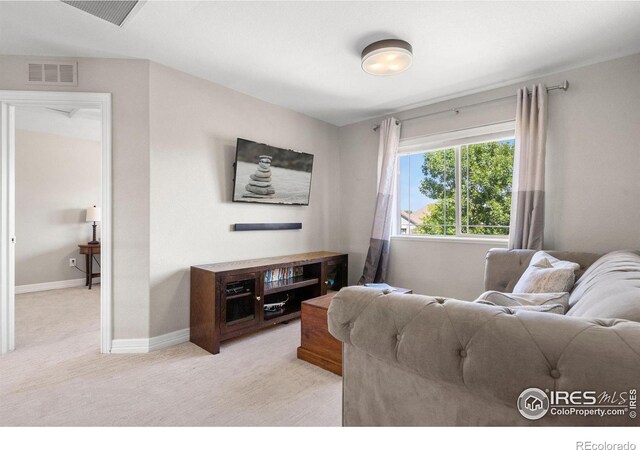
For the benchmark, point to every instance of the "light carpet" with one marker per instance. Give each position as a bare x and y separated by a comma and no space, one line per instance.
57,376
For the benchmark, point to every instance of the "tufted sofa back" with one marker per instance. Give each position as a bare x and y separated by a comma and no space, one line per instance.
416,359
609,289
493,353
503,268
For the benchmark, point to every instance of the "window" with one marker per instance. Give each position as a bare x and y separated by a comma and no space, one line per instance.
457,184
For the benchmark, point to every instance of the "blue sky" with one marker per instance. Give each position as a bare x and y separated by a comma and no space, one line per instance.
410,177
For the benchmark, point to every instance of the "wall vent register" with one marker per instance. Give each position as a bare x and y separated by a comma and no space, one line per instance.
60,73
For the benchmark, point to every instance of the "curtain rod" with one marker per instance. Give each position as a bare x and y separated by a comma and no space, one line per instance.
564,86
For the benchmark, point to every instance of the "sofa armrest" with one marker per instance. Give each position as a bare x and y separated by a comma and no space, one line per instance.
503,268
492,352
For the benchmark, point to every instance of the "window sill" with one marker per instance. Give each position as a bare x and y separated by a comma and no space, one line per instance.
453,239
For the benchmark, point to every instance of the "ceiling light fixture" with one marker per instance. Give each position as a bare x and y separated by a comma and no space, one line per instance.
387,57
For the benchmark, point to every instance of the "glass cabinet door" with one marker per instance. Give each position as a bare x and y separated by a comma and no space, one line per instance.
335,275
239,301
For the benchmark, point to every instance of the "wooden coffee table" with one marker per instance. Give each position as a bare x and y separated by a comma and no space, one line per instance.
317,346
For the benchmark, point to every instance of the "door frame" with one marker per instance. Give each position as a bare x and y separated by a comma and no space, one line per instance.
9,100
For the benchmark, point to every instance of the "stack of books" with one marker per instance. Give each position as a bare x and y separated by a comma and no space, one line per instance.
282,273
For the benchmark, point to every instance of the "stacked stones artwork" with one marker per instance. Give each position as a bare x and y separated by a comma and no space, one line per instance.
260,181
266,174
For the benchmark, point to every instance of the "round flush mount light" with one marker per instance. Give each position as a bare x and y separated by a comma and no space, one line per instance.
387,57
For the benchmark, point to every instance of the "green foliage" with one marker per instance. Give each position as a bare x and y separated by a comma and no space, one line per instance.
439,182
486,171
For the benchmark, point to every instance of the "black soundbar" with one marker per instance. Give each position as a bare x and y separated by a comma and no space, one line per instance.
267,226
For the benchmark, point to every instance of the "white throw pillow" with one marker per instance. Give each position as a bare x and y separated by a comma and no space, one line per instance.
547,274
527,300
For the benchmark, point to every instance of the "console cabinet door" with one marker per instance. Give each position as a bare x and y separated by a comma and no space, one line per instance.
240,301
334,274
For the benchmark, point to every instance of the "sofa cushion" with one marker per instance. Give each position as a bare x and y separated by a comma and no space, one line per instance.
547,274
533,302
609,289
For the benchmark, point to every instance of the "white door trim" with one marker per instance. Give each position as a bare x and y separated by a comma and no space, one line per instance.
7,212
8,101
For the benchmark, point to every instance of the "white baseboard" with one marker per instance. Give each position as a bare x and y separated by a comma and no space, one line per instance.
169,339
144,345
25,288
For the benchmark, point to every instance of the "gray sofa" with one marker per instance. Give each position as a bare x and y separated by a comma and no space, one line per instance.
420,360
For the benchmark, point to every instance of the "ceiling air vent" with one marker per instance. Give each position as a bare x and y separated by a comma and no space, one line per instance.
60,73
115,12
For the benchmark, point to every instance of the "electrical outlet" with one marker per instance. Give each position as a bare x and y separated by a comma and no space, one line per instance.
72,262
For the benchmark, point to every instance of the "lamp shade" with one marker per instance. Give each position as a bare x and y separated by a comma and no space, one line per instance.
94,214
387,57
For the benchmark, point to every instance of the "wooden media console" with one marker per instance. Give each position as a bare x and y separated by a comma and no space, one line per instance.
235,298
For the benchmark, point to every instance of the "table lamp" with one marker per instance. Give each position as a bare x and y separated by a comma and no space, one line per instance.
94,214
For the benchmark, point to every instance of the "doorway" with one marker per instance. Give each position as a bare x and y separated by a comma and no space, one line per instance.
62,101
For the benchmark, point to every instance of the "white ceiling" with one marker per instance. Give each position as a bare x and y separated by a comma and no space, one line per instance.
63,121
306,55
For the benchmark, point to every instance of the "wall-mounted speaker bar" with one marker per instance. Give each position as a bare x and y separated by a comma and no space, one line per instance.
267,226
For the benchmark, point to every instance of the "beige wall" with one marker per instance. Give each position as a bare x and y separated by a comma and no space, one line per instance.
128,82
449,269
191,132
593,156
57,178
359,160
194,127
173,148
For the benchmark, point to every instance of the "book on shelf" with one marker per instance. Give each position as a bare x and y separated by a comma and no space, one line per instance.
282,273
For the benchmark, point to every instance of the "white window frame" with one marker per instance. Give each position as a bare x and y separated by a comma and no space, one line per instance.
441,141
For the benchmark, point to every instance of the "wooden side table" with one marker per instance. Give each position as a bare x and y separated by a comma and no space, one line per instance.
89,250
317,345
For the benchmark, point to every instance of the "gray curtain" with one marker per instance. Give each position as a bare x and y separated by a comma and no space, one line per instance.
526,230
375,267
